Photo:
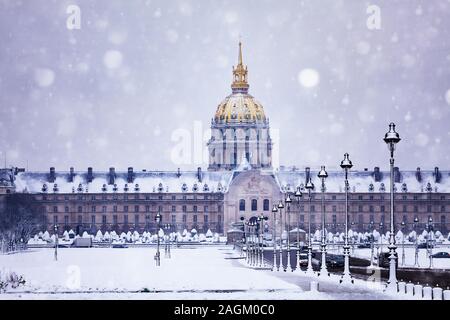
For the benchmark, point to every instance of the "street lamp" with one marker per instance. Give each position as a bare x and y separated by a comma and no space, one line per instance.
391,138
346,164
280,208
371,242
167,242
403,224
56,242
261,220
416,246
309,186
288,202
298,196
430,239
274,230
323,268
157,255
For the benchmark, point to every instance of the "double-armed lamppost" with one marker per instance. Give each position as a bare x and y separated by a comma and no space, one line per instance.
56,242
392,138
309,186
274,237
323,268
157,255
416,245
346,165
298,195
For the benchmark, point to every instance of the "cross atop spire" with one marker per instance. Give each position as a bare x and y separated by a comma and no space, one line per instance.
240,84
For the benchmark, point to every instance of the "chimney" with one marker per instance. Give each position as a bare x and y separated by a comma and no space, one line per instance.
52,176
199,174
112,175
71,174
307,173
418,175
437,175
377,174
90,175
397,175
130,177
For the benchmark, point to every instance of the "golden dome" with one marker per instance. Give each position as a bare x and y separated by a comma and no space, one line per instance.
240,107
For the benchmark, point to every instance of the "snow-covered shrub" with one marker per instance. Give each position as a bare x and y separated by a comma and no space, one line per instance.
10,280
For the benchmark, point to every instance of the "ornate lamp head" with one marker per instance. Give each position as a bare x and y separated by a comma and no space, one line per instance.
391,137
309,185
274,208
322,173
346,163
416,220
280,205
288,199
298,194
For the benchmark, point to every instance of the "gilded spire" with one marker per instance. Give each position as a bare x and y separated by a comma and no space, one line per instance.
240,83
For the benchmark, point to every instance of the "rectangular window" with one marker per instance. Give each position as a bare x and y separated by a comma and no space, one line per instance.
184,209
313,208
313,218
334,209
205,218
66,220
115,220
125,219
55,219
184,218
195,208
136,219
55,209
93,208
174,218
93,219
205,209
147,208
115,209
334,219
80,209
104,219
174,208
136,208
104,209
302,218
80,219
382,208
125,208
66,209
194,218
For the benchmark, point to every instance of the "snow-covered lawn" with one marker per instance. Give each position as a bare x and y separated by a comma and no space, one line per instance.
195,273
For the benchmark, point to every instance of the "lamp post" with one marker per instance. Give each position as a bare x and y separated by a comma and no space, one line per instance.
288,202
416,246
371,242
391,138
274,230
323,268
353,238
56,242
298,196
430,241
280,208
167,243
261,219
346,165
403,224
309,186
157,255
381,236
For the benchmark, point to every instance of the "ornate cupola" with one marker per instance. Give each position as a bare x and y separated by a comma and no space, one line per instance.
240,129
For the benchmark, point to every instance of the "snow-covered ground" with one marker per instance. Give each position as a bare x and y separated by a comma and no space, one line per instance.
424,261
199,273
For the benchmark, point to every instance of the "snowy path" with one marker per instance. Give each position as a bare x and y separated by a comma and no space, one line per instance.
200,273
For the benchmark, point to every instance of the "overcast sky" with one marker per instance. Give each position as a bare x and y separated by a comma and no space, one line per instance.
117,91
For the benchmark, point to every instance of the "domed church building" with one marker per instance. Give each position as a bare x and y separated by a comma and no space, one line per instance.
239,183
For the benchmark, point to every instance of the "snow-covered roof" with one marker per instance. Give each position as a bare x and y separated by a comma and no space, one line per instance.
154,181
219,181
365,181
